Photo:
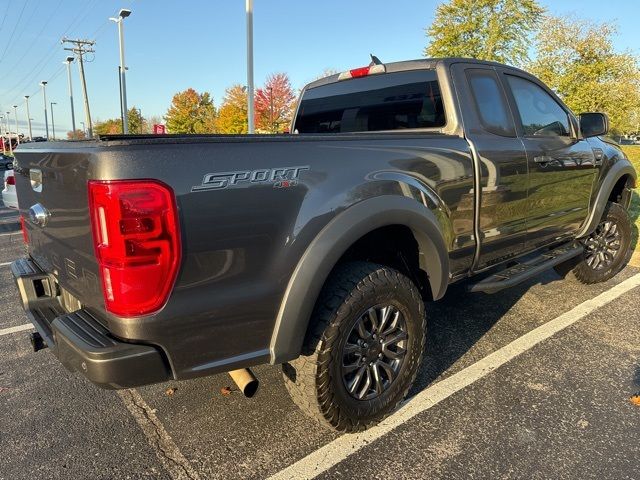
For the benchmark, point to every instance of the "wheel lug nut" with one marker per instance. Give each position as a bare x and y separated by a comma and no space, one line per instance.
371,364
365,345
379,355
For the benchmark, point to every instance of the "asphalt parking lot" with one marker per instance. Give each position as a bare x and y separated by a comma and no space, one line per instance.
534,382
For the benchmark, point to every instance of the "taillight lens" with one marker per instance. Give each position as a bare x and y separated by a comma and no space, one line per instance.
10,180
25,235
137,242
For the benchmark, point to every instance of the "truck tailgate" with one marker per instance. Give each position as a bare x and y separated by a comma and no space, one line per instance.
60,242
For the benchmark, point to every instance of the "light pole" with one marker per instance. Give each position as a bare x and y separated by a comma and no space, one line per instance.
73,114
53,123
124,13
44,100
4,148
9,134
250,114
15,114
83,129
26,101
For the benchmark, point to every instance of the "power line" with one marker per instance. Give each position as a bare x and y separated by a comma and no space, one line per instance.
15,26
5,15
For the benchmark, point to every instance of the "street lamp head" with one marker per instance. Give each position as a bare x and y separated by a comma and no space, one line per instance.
43,83
26,97
70,59
15,106
124,13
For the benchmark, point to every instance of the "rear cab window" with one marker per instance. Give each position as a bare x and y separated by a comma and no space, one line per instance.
390,101
490,102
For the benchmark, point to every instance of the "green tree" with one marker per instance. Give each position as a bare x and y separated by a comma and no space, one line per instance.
191,112
111,126
135,121
274,104
232,116
577,60
497,30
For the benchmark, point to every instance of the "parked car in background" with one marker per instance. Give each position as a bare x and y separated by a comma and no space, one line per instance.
9,196
6,162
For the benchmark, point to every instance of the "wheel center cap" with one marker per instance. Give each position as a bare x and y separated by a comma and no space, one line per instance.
373,351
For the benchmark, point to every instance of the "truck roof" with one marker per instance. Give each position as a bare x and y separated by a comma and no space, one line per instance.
420,63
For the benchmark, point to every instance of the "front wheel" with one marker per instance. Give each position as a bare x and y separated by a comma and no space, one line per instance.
363,350
608,249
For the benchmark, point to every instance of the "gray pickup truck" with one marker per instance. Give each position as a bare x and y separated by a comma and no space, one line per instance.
153,258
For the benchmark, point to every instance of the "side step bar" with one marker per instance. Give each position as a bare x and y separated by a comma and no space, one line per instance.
525,270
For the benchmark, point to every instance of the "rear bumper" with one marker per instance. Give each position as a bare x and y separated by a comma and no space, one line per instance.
79,341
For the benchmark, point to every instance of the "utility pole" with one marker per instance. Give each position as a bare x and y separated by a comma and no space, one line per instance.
43,84
124,13
80,48
26,100
73,114
53,123
250,108
15,113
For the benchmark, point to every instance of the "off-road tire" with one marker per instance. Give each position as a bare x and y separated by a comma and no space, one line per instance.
584,273
315,381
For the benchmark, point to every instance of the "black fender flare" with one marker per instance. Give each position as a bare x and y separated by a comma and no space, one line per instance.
618,170
333,241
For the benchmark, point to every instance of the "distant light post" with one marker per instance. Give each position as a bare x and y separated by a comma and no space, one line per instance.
9,134
15,114
124,13
73,114
250,106
83,129
44,100
53,123
4,148
26,101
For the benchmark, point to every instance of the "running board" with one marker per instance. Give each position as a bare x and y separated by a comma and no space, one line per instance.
525,270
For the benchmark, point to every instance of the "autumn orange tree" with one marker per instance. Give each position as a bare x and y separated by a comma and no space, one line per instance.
110,126
76,135
274,104
191,112
232,115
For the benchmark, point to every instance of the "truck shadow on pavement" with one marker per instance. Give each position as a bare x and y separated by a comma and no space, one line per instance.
457,322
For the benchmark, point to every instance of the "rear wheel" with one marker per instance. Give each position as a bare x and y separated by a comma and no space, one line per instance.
608,249
363,350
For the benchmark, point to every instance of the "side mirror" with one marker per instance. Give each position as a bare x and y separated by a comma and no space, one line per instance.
593,124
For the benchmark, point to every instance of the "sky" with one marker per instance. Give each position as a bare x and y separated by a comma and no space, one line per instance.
174,45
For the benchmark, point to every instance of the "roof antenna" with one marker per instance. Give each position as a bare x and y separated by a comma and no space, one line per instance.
374,60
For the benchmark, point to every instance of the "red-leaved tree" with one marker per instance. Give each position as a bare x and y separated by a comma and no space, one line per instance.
274,104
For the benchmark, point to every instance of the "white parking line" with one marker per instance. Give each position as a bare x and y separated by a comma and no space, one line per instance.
5,264
10,233
340,449
19,328
163,445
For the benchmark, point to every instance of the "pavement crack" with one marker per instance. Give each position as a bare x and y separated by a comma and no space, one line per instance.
166,450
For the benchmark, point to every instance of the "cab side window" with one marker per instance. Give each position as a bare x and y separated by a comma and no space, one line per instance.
490,101
540,114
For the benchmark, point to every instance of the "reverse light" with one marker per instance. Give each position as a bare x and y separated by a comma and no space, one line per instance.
362,72
136,236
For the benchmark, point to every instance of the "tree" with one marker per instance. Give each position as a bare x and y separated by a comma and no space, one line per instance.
76,135
135,121
577,60
191,112
274,104
111,126
497,30
232,116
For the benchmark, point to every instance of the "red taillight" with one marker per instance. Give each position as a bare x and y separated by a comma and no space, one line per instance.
25,235
10,180
137,242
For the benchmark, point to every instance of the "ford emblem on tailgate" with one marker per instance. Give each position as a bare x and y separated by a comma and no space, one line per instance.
39,215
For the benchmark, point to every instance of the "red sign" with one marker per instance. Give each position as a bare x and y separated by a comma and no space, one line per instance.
159,129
